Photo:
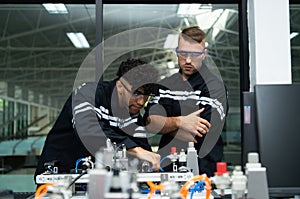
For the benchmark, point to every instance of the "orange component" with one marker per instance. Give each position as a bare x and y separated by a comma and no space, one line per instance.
41,190
185,188
153,188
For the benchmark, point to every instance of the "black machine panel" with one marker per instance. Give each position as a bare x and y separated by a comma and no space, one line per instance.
278,128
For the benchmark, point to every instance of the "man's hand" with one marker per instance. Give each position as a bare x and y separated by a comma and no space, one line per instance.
143,154
194,124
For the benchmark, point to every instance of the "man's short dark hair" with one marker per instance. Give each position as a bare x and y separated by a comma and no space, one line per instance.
139,74
194,33
127,65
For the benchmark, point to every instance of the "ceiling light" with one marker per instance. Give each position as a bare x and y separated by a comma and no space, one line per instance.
171,41
192,9
293,34
78,39
185,10
206,20
56,8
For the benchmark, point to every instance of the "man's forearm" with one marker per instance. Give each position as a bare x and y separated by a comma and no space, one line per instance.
162,124
191,123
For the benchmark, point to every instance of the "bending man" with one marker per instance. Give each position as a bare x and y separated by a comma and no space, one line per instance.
96,111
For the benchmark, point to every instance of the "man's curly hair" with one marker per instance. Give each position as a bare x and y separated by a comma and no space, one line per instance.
139,74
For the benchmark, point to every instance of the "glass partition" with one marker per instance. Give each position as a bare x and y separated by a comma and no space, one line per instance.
39,62
219,21
39,55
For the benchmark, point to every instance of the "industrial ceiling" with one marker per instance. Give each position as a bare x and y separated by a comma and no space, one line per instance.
37,57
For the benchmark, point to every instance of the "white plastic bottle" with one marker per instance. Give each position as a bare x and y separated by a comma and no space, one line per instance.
192,159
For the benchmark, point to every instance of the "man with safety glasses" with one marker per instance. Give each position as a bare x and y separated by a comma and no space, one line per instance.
192,104
99,110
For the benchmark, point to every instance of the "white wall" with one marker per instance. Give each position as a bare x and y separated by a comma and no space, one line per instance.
269,41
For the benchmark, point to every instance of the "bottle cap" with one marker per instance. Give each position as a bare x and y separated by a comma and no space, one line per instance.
253,157
191,144
221,168
173,150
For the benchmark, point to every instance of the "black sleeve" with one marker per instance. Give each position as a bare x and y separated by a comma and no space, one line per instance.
62,145
92,129
160,106
218,109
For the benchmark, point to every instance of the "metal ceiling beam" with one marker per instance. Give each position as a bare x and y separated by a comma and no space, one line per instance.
43,69
43,29
32,48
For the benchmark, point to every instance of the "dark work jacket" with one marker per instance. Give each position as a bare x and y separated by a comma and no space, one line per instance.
89,116
180,98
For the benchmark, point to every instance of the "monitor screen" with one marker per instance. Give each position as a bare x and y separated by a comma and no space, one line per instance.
278,126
